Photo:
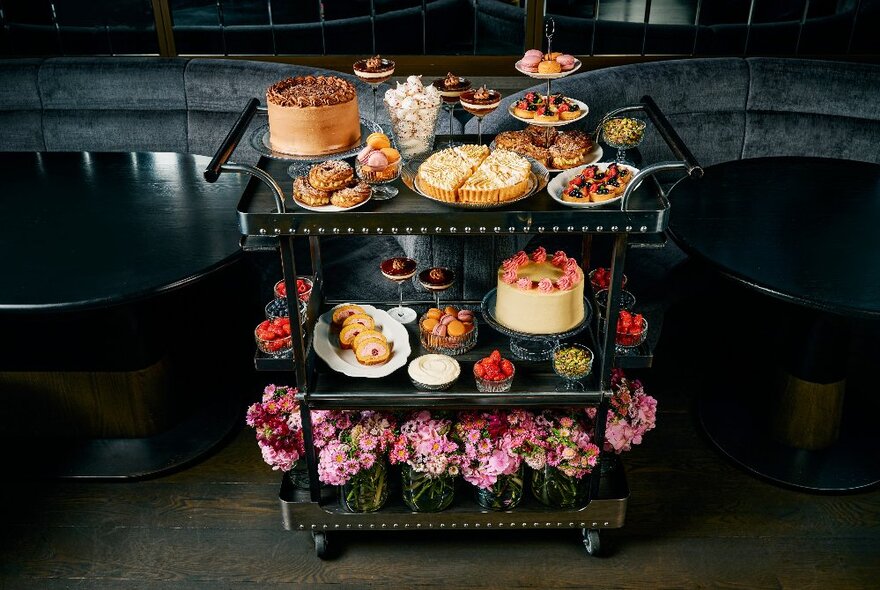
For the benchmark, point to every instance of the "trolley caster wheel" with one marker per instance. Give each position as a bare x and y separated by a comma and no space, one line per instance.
320,539
591,541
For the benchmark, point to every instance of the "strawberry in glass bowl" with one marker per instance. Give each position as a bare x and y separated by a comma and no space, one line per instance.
494,374
632,329
303,288
273,337
600,278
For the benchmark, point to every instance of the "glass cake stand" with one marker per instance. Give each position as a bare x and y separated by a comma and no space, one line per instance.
530,347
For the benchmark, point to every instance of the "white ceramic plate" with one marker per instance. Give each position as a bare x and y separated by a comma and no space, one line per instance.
591,157
577,66
326,343
331,208
584,110
558,184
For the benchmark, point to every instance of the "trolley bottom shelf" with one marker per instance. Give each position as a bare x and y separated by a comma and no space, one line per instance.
607,511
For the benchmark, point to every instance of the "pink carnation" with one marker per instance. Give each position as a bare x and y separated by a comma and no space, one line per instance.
559,258
545,285
524,284
539,255
509,276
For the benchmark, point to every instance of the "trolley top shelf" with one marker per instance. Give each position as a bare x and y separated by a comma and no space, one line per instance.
412,214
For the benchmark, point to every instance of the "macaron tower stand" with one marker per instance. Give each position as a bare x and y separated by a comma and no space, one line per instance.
549,30
266,224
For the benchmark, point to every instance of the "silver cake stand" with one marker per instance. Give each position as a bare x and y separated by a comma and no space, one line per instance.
530,347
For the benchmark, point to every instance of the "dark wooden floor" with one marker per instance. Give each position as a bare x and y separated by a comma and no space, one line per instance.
694,521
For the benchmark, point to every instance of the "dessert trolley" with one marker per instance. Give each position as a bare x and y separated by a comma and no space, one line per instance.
267,223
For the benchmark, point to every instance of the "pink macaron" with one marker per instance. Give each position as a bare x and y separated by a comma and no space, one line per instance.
364,154
377,160
534,53
566,61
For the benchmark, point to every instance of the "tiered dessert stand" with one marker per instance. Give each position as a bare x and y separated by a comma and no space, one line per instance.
266,224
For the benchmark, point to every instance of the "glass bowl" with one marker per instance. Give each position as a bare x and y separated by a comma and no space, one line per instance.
625,341
449,345
572,361
370,175
419,365
273,337
277,308
598,282
414,129
489,386
623,132
281,292
626,301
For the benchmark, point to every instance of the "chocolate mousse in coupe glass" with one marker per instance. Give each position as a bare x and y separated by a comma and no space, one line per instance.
374,71
400,270
437,279
451,87
480,103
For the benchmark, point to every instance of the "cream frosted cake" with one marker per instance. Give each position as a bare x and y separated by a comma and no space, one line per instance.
540,295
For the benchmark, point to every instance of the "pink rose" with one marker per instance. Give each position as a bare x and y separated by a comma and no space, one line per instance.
521,258
524,284
564,283
539,255
509,276
559,258
545,286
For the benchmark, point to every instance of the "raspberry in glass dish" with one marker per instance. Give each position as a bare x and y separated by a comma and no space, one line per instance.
273,336
303,288
494,374
600,278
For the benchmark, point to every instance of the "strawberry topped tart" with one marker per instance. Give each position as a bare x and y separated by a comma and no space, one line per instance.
539,294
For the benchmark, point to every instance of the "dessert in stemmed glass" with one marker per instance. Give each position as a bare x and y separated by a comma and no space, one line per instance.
451,88
436,280
623,133
374,71
400,269
379,164
479,103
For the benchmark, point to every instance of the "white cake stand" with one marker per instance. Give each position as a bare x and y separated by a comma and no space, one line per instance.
530,347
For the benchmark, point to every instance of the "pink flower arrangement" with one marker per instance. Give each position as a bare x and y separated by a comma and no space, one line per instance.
425,445
631,414
351,442
493,444
278,425
563,442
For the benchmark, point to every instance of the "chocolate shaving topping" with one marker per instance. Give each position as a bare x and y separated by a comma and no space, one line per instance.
311,91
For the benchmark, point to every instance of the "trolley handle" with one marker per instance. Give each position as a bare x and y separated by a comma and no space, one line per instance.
215,168
671,137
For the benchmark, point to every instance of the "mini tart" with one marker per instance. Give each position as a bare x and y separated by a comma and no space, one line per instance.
524,113
343,311
331,175
372,351
305,193
547,117
351,196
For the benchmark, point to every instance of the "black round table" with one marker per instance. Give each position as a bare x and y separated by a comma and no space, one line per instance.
92,229
805,231
102,253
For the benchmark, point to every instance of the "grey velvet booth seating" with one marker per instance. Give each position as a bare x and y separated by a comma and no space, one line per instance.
727,109
175,105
